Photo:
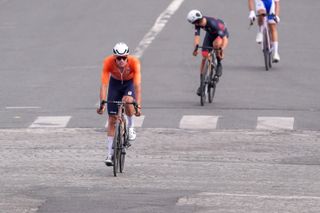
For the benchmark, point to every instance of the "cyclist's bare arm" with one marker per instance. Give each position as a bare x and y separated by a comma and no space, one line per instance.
251,5
277,8
103,92
196,44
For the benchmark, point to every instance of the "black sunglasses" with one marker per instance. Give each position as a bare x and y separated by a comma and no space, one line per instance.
121,58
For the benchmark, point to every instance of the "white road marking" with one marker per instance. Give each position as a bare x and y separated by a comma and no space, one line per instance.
138,121
157,27
23,107
51,122
275,123
198,122
208,198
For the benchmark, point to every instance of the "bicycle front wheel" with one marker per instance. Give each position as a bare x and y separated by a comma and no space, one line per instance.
212,83
123,141
266,50
203,84
116,148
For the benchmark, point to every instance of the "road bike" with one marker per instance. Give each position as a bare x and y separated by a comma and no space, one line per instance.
208,77
121,137
266,46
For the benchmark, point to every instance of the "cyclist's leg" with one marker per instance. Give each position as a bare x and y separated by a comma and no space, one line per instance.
219,44
129,97
260,10
274,32
113,95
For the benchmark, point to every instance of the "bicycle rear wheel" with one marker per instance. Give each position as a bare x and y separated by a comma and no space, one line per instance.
116,148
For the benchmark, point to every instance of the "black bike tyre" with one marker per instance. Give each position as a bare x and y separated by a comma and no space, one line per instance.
266,59
116,150
212,83
270,60
122,151
266,50
203,85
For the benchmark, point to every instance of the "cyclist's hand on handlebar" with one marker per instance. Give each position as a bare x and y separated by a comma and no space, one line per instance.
102,108
195,51
138,112
252,16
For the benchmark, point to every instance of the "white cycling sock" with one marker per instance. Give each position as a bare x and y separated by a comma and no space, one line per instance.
130,121
275,45
110,142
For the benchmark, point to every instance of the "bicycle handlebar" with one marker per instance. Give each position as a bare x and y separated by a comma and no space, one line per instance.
206,47
264,14
120,102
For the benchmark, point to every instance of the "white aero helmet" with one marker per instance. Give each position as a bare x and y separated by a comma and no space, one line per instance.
194,15
121,49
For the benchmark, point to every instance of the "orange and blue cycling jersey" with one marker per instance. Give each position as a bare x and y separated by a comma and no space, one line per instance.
120,83
131,71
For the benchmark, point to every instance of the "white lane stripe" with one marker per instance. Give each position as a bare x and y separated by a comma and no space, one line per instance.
23,107
275,123
51,122
207,198
198,122
157,27
138,121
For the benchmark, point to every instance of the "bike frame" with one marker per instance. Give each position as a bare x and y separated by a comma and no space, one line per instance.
207,79
266,41
120,138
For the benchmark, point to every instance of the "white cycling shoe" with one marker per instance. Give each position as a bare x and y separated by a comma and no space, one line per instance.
276,57
132,134
108,161
259,38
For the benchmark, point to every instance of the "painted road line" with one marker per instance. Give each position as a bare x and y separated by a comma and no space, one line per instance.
51,122
157,27
138,121
198,122
275,123
23,107
208,198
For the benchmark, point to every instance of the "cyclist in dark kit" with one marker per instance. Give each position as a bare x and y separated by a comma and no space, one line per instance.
216,36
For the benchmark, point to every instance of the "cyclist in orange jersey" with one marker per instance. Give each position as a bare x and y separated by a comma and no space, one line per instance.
122,77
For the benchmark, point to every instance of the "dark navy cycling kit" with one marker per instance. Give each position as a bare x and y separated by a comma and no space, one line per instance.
118,89
214,28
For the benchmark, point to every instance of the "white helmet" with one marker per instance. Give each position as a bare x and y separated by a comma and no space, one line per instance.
121,49
194,15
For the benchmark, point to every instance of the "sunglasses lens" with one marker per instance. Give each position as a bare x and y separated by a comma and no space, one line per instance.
119,58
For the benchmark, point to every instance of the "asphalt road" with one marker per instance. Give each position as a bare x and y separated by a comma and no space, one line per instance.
51,54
